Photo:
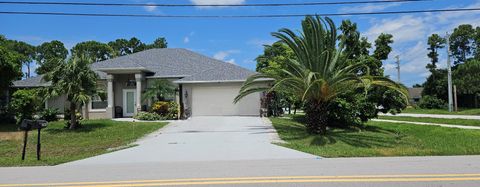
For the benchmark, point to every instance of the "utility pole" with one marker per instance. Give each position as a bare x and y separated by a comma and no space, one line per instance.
455,97
449,68
398,68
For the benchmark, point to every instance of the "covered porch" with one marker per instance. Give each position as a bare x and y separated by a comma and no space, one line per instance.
123,90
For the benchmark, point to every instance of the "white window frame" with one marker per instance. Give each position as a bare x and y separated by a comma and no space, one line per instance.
95,110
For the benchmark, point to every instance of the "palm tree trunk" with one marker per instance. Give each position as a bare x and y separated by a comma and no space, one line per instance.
73,116
316,116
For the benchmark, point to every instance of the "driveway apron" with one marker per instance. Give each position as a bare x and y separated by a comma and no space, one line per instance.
204,139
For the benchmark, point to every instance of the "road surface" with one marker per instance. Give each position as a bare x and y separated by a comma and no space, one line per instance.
386,171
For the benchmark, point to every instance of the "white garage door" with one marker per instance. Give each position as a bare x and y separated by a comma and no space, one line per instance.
217,100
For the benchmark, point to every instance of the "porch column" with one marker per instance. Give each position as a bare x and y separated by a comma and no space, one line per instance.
138,78
110,106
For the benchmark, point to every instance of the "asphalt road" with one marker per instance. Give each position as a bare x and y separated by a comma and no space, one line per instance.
387,171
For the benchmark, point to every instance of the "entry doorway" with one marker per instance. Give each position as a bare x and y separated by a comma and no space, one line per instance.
129,102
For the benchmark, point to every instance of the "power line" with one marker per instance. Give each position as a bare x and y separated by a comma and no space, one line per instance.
238,16
206,5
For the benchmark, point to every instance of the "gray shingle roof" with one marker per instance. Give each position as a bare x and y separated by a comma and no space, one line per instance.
169,62
31,82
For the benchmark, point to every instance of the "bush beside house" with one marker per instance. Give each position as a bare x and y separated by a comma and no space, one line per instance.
24,104
160,110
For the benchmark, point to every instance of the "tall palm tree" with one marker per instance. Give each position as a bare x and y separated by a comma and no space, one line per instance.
316,75
76,80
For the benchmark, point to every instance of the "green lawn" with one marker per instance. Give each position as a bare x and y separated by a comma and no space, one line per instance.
468,122
470,111
60,145
380,139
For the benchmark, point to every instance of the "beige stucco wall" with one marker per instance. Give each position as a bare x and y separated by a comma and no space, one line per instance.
97,115
216,99
57,102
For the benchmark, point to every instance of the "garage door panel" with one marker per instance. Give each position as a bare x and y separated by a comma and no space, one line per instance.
218,101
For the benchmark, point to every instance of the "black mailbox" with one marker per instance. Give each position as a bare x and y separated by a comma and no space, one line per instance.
28,125
33,124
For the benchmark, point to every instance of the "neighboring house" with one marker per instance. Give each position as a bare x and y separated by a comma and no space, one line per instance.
415,94
208,86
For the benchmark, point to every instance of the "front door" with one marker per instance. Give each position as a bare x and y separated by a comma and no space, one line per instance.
129,102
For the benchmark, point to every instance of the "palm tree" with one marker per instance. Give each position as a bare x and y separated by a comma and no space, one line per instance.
76,80
160,89
316,75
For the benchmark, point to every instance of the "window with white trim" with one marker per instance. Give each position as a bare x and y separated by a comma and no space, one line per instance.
97,103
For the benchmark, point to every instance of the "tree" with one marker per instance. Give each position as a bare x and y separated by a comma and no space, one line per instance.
76,80
316,75
10,67
461,42
123,47
365,46
136,45
160,42
435,42
436,85
25,52
382,46
159,90
120,47
477,43
49,55
275,58
93,50
467,79
350,38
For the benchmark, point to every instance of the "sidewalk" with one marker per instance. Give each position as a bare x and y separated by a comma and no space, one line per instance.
444,116
433,124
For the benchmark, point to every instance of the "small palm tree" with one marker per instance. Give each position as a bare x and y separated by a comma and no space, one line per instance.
160,89
76,80
316,74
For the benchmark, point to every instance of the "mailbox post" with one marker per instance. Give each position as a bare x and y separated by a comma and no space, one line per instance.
28,125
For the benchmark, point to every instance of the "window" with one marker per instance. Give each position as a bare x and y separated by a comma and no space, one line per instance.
98,103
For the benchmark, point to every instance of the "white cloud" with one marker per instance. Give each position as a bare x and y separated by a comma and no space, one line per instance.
368,8
410,34
217,2
150,8
222,55
186,39
403,29
231,61
260,42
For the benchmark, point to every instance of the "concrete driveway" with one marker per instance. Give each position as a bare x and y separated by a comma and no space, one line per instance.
204,139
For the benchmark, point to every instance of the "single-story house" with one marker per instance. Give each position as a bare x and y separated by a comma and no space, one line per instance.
207,86
415,94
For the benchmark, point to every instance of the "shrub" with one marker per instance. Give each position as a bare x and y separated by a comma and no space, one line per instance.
160,107
167,110
431,102
147,116
350,111
172,110
24,104
49,114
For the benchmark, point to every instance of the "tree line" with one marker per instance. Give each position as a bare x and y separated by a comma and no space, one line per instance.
48,55
464,45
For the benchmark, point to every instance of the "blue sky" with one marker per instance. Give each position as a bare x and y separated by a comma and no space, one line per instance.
239,41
